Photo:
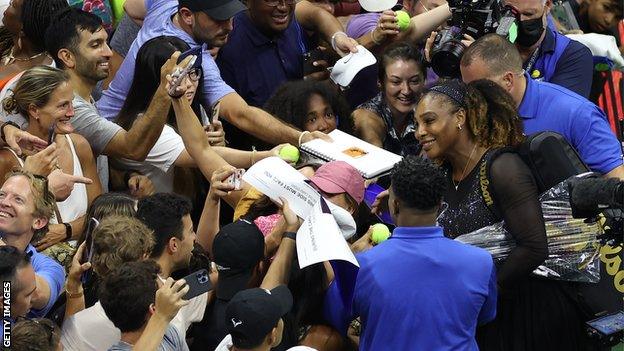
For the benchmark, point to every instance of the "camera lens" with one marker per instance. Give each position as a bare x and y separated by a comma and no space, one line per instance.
445,60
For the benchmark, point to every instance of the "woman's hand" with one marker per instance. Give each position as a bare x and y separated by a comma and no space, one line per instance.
140,186
387,27
74,282
169,70
43,162
215,134
218,186
293,222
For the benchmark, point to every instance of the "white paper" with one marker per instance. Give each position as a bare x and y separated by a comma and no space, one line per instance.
275,178
319,239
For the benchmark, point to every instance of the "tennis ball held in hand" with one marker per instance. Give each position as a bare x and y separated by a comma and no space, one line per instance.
403,20
289,153
380,233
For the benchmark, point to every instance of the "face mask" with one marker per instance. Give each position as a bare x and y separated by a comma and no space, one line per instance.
530,32
345,220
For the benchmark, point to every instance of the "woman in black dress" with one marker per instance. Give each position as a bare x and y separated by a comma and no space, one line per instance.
462,126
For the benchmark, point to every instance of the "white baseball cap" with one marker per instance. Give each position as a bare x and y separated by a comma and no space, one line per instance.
377,5
347,67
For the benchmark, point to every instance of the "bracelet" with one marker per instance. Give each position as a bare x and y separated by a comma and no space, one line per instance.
71,295
290,235
372,33
68,231
333,39
301,136
253,155
2,136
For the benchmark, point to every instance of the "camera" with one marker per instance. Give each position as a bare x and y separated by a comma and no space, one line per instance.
475,18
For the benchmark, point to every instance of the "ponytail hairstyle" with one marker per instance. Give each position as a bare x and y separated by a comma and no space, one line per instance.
34,87
491,115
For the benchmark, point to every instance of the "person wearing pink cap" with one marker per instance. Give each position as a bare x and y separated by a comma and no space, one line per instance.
340,183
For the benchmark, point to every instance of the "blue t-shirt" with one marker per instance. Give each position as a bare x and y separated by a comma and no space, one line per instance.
256,65
416,291
549,107
158,22
172,341
52,272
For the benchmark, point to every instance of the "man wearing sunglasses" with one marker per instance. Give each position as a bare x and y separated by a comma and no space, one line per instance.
25,208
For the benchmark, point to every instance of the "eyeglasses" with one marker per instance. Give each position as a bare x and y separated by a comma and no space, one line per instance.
275,3
45,324
194,74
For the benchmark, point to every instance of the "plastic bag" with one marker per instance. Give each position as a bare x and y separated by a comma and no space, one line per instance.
573,249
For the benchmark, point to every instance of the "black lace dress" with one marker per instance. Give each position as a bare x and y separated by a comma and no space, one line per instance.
532,313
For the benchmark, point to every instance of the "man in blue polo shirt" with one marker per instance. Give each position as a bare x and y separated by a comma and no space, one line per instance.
25,208
547,55
417,290
198,23
544,106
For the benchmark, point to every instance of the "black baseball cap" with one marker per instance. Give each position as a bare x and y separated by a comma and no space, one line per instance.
219,10
237,249
253,313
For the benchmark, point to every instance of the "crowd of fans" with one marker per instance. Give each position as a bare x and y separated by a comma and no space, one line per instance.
115,182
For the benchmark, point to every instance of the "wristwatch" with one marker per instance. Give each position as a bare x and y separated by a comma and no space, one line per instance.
68,231
290,235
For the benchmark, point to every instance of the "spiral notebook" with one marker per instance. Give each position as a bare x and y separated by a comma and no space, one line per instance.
371,161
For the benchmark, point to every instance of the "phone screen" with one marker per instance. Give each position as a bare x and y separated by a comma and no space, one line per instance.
369,198
87,254
610,324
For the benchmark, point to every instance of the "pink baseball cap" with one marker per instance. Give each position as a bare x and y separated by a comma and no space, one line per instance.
339,177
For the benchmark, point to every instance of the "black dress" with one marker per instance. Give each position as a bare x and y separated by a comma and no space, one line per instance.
532,313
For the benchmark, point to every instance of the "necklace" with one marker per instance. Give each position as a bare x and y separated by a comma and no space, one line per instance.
465,168
10,58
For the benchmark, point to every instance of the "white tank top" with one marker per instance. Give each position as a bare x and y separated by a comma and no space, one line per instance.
76,204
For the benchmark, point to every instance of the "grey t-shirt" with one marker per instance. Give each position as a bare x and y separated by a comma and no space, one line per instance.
172,341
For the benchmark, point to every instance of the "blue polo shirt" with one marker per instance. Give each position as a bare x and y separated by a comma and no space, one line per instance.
416,291
564,62
549,107
255,65
52,272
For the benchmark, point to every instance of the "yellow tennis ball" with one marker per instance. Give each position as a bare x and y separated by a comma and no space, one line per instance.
403,20
380,233
289,153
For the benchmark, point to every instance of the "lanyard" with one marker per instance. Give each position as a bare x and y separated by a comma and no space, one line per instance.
531,62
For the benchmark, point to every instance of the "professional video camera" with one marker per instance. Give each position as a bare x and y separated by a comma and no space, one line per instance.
591,195
475,18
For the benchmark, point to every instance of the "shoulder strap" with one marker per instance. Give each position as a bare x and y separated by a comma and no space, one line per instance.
485,183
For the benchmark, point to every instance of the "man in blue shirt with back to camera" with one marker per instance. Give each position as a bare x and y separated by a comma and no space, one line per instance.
418,290
544,106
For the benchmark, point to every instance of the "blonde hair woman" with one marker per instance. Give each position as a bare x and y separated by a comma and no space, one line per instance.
44,96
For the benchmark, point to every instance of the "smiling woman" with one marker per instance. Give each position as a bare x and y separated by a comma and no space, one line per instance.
44,94
387,119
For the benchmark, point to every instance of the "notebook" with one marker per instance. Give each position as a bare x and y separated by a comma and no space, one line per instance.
371,161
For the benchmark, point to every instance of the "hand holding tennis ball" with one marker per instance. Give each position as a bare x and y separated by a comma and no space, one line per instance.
289,154
403,20
380,233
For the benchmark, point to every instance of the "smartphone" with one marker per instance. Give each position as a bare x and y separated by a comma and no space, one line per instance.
51,134
179,75
198,282
215,113
370,194
197,51
87,254
235,179
609,324
309,58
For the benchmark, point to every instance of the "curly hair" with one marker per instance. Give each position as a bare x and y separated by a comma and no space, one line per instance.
491,115
118,240
127,293
290,103
162,213
36,15
418,183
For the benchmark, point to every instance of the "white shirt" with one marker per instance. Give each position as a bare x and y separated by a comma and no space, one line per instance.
91,330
